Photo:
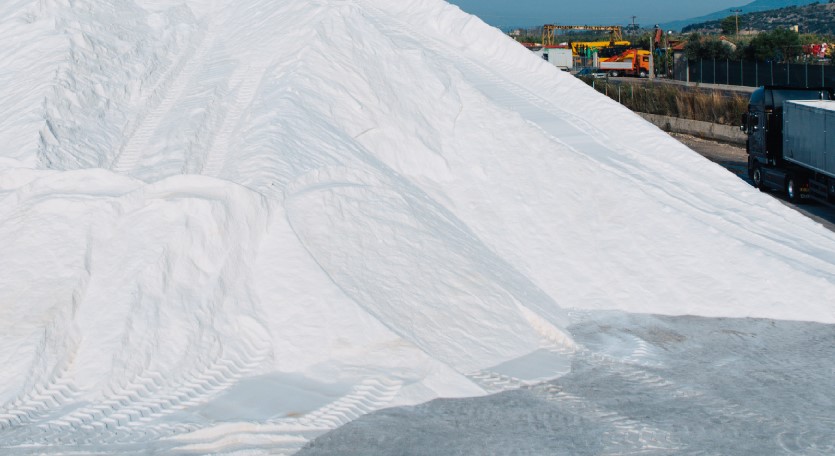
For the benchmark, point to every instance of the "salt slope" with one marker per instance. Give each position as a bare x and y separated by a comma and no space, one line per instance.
238,226
140,303
609,213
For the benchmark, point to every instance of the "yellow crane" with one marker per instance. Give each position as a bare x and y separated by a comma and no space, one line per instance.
549,31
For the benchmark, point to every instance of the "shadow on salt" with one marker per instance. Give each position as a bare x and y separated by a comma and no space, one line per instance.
271,397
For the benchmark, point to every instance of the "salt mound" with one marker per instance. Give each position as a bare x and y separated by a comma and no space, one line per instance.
239,226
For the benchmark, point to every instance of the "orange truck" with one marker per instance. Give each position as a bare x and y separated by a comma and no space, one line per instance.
632,62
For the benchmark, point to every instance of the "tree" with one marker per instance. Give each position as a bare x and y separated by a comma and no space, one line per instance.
643,41
693,46
698,47
729,25
778,45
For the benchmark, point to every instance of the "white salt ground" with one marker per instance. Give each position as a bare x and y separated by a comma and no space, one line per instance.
237,226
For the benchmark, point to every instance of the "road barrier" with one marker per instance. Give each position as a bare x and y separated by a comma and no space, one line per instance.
707,130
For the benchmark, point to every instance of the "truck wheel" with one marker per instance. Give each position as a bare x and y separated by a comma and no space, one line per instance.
757,178
791,190
613,74
642,74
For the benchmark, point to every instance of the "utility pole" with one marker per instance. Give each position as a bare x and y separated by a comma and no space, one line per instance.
736,16
632,31
651,74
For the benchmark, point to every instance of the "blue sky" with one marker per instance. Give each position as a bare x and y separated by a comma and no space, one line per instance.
595,12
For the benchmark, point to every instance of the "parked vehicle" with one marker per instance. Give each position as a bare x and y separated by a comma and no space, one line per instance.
789,132
589,72
559,56
632,62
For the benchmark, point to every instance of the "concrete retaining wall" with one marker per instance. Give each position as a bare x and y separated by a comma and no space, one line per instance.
724,133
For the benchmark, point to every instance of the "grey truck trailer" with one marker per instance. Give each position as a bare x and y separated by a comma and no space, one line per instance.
791,141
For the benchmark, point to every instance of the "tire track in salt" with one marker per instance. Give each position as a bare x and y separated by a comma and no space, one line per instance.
368,396
244,82
288,435
58,389
174,83
627,432
37,403
125,416
753,355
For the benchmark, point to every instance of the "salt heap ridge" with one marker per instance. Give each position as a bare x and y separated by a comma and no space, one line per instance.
239,226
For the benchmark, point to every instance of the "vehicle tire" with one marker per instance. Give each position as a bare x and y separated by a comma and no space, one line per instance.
757,178
791,190
642,74
613,74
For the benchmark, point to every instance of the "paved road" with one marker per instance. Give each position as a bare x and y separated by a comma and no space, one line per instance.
734,159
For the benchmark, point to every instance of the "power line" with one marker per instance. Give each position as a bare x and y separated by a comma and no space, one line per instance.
736,16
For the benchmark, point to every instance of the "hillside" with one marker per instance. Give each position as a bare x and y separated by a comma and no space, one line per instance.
757,5
818,19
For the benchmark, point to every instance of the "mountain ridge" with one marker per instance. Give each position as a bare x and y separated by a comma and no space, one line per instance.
814,18
755,6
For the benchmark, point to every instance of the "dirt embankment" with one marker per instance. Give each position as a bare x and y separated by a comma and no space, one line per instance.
722,107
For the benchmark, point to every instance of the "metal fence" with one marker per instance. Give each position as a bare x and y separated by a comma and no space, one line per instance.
754,74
